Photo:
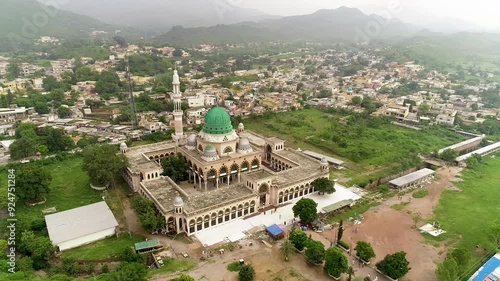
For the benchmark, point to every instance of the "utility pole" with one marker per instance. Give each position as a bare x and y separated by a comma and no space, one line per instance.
132,98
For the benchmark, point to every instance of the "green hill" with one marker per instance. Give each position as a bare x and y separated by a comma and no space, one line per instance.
27,19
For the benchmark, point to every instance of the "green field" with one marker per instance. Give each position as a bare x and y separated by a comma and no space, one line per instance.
466,215
371,147
110,247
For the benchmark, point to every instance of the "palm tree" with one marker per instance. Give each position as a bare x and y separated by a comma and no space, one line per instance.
350,271
286,249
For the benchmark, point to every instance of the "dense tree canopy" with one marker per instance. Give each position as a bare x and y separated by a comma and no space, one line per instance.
102,163
315,252
395,265
148,215
299,239
336,262
247,273
32,181
323,185
175,167
130,272
306,210
364,250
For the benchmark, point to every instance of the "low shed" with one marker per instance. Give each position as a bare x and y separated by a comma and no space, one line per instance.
80,226
411,179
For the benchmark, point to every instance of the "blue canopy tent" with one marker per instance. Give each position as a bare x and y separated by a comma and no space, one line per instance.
274,230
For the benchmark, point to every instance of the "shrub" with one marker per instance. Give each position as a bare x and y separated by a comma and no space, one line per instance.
247,273
421,193
234,266
395,265
344,244
299,239
315,252
364,250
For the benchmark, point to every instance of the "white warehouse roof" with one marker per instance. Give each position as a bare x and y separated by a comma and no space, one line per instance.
412,177
319,156
481,151
71,224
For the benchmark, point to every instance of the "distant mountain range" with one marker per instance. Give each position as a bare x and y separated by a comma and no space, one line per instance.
343,24
29,19
159,16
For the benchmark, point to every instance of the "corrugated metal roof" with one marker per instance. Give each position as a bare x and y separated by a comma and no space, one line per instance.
79,222
147,244
320,156
480,151
412,177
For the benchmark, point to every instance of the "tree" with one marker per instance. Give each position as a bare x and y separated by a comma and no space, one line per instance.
323,185
364,250
305,209
356,100
340,231
315,252
474,106
286,249
449,155
424,108
448,270
36,246
57,140
149,217
102,163
22,148
120,41
32,181
395,265
129,255
42,149
13,70
130,272
247,273
177,53
63,111
175,167
108,84
336,262
350,271
299,239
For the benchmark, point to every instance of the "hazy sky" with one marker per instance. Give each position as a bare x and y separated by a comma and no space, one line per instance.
481,13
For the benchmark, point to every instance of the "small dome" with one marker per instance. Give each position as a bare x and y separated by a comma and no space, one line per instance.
191,141
178,201
324,161
244,142
123,146
241,126
210,153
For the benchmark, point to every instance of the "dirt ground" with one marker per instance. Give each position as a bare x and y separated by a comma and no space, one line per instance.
387,229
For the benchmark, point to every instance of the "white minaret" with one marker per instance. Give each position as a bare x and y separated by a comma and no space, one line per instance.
176,96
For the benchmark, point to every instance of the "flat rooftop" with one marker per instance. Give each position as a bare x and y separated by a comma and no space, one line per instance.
221,196
319,156
163,192
481,151
412,177
460,144
307,168
258,175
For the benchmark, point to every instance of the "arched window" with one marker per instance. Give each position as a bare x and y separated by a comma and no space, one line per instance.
252,206
220,217
200,148
255,164
233,212
234,168
240,210
211,174
223,171
191,226
214,219
244,166
264,188
280,198
228,149
227,213
246,209
199,224
207,221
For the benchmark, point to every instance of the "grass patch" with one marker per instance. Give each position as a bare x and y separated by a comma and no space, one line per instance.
234,266
372,147
421,193
358,209
400,206
69,189
174,265
108,248
466,215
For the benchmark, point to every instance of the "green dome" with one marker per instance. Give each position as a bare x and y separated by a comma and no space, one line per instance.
217,122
